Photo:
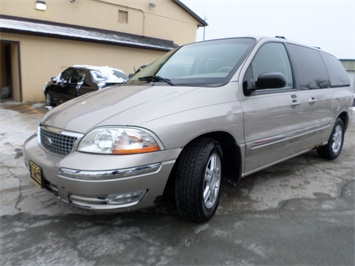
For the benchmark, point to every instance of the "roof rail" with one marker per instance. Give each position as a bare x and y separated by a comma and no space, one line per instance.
281,37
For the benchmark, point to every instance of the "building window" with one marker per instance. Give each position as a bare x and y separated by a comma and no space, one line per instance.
122,16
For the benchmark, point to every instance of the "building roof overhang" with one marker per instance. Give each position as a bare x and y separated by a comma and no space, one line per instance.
64,31
201,22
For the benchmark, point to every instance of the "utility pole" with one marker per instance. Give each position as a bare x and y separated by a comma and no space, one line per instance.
204,28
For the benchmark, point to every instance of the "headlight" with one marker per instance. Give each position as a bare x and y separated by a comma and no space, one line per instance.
117,140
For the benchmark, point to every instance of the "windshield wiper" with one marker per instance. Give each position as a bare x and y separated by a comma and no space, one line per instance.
156,79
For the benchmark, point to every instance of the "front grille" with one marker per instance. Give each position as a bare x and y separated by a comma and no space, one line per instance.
56,142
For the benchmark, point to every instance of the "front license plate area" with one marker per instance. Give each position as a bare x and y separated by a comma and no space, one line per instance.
36,173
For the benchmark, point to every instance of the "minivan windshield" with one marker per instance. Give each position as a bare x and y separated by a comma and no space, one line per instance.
210,63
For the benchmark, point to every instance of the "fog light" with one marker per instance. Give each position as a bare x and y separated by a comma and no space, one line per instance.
126,198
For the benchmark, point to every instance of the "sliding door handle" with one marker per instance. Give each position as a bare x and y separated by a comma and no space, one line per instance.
312,100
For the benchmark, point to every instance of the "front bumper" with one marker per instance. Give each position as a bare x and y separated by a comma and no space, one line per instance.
103,182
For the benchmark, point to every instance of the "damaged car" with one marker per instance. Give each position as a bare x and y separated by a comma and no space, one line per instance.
79,80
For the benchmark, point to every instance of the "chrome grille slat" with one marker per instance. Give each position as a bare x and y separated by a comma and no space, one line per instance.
56,142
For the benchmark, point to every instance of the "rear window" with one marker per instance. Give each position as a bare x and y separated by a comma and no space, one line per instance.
311,70
337,73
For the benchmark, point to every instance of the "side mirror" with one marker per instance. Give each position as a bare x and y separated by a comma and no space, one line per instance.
54,79
271,80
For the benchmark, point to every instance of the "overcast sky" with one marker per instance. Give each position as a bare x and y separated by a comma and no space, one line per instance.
329,25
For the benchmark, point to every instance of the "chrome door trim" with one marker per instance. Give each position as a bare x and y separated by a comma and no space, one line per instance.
286,136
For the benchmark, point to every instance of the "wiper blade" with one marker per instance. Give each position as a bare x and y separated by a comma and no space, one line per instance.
156,79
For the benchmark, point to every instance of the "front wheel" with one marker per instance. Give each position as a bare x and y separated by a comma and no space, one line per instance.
198,180
335,143
49,101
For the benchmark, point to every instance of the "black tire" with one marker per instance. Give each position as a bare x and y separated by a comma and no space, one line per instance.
48,99
335,143
198,180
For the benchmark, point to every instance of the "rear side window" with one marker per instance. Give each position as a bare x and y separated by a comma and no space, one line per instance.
78,76
311,71
337,73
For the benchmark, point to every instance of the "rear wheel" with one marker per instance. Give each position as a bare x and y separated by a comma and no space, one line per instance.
198,180
335,143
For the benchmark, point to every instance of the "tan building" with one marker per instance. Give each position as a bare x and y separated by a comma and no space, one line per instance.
39,39
349,65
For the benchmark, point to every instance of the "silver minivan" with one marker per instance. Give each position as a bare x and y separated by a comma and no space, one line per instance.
203,115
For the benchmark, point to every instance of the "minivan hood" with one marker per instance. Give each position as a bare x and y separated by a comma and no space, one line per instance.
117,105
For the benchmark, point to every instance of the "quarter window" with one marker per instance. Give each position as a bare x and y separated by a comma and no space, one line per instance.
337,73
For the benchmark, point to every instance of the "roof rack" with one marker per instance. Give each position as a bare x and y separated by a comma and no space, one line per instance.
281,37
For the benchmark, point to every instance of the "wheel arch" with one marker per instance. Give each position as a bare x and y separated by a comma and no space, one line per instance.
345,118
231,163
232,158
